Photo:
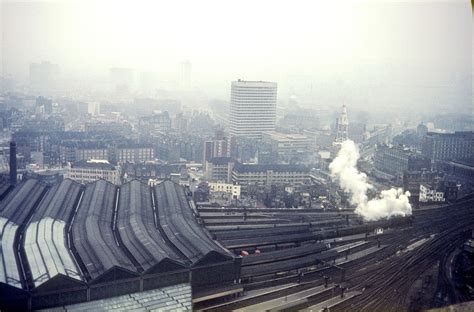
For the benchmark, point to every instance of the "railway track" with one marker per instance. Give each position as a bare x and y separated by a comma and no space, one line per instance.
386,285
386,277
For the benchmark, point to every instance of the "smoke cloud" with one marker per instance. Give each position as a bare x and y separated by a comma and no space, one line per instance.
388,204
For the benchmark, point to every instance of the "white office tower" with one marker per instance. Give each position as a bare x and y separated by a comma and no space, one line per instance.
252,108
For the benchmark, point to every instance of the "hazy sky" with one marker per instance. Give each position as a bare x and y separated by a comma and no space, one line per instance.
329,43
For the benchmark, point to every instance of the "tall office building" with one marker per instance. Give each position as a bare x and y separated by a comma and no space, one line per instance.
252,108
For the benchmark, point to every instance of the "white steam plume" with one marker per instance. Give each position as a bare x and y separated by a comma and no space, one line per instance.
390,203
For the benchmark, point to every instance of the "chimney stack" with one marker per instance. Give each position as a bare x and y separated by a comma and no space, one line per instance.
13,162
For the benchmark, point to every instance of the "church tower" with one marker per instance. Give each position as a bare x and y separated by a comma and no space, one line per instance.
342,127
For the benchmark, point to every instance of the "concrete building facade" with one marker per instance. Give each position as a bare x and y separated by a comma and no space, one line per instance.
288,147
394,161
230,189
252,108
448,146
93,170
267,175
138,154
220,169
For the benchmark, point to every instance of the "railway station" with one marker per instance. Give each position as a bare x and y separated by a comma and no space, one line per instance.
78,247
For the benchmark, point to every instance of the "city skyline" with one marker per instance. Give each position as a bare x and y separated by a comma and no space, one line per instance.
330,54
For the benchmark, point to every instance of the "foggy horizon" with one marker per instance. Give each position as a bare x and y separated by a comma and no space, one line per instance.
360,53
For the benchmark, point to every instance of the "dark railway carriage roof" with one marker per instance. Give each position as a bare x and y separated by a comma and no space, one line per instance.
179,224
287,265
270,256
45,243
14,210
269,240
138,232
251,233
93,236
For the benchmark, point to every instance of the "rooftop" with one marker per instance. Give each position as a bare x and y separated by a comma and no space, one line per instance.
138,231
45,240
285,136
93,164
246,168
14,211
176,216
220,160
94,239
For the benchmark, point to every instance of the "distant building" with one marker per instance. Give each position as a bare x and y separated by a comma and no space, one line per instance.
93,108
232,191
267,175
288,147
114,127
134,154
92,151
421,130
30,141
153,171
45,104
448,146
379,134
219,146
220,169
92,170
413,179
252,108
214,148
394,161
158,121
180,123
461,171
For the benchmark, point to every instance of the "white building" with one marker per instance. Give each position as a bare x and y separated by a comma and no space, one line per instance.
93,108
93,170
232,190
429,193
252,108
